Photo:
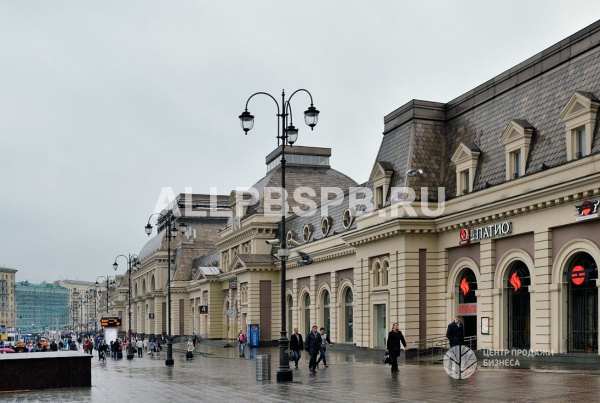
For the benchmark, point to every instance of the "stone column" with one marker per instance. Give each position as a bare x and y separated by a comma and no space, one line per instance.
487,268
541,295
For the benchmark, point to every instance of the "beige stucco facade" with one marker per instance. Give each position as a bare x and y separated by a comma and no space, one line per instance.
504,235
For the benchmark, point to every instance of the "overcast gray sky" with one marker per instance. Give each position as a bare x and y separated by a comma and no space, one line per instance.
105,103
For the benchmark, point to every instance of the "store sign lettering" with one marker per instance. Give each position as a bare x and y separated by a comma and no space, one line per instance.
491,231
467,309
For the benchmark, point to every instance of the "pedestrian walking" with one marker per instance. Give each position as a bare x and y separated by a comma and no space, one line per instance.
152,348
242,340
394,339
312,346
323,348
456,332
296,346
102,351
139,344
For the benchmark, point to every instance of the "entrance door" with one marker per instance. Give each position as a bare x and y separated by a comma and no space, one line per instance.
519,307
467,306
583,304
380,326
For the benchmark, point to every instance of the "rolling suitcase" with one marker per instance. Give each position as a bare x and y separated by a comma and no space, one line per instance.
189,355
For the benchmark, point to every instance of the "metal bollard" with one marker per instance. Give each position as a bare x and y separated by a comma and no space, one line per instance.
263,367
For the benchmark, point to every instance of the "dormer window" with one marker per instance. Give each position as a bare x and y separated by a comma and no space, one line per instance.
465,159
381,176
517,139
580,115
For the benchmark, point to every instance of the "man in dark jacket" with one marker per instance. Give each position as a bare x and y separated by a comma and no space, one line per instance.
312,346
53,345
296,345
456,332
394,339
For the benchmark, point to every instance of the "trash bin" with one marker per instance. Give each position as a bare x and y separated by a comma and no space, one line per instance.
263,367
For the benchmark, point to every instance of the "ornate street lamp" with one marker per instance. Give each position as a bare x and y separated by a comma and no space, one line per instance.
171,232
288,136
132,265
109,280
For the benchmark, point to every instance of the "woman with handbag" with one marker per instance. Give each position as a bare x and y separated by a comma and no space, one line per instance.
394,339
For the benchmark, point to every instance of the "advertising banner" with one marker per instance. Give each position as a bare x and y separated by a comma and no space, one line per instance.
253,335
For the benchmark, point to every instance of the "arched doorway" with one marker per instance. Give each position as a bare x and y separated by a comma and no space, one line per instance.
518,306
467,302
582,303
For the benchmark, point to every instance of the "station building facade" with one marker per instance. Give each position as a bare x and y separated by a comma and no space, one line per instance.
485,206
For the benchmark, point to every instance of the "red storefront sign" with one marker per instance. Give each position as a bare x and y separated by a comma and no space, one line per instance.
467,309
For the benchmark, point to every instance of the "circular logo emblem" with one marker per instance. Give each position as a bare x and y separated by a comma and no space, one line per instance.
464,236
578,275
460,362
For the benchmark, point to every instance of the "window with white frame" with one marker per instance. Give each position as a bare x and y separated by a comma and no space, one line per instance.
465,159
517,139
580,116
381,176
385,273
376,272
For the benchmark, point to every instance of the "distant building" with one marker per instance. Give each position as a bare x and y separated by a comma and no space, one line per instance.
41,305
83,300
7,298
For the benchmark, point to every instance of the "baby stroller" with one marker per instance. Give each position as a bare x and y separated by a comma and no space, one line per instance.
189,355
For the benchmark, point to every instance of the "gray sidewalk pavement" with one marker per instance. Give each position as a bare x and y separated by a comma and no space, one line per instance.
217,374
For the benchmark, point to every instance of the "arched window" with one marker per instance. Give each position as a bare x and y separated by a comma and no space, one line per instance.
348,315
325,301
290,321
375,273
306,314
385,273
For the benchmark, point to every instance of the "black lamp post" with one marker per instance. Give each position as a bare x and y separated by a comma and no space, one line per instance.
171,232
287,136
109,280
93,295
132,264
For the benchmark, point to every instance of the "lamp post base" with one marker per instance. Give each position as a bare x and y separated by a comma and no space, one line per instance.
284,373
169,361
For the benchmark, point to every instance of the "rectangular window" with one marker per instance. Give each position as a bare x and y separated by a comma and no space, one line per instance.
379,197
581,142
517,164
466,182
